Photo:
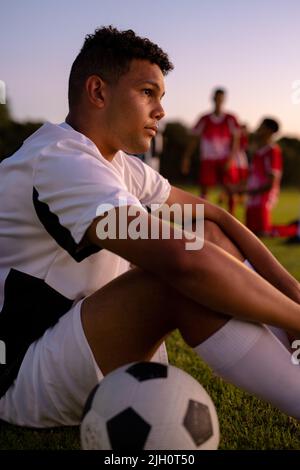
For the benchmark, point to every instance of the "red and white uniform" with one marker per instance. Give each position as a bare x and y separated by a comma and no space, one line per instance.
216,134
241,159
266,161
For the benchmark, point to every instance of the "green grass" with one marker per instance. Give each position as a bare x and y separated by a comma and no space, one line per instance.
245,422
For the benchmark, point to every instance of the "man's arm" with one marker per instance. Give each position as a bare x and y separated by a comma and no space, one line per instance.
273,179
252,248
235,146
210,276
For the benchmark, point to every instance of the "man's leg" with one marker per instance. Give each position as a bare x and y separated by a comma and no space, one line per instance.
138,306
214,234
207,176
127,319
256,358
203,191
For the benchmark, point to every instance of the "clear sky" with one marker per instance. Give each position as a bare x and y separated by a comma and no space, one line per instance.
250,48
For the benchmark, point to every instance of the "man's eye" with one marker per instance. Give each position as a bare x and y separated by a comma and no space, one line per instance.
147,91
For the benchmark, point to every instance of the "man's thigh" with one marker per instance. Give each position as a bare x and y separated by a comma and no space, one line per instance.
59,370
128,319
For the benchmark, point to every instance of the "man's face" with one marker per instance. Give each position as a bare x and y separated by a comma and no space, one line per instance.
134,107
219,99
262,132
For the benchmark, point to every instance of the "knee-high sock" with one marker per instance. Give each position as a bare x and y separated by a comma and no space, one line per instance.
278,332
251,357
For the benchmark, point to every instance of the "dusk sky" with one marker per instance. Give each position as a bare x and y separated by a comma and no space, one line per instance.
250,48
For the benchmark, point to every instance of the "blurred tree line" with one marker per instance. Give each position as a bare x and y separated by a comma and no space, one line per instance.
177,137
12,133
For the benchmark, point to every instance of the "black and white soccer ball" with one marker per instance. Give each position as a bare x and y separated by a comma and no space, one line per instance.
148,405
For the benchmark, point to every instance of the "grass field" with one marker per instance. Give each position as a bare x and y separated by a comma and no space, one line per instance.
245,422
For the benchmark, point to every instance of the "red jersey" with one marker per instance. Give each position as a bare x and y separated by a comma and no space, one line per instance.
216,134
266,161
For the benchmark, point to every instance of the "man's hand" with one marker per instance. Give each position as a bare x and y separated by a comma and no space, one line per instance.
229,162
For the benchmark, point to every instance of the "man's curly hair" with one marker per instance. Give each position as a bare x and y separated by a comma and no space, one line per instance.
108,53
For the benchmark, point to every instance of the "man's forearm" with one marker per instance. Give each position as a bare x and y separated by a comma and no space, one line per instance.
249,245
259,256
235,144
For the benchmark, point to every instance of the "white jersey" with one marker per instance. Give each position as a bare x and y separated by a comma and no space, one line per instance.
50,193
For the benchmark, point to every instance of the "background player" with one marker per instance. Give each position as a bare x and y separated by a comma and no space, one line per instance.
264,179
219,141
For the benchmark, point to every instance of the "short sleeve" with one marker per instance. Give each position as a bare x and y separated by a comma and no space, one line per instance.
72,186
233,124
145,183
199,126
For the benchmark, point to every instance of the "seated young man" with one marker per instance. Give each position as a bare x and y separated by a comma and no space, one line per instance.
71,309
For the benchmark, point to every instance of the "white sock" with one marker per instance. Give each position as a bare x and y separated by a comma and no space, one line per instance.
161,354
278,332
251,357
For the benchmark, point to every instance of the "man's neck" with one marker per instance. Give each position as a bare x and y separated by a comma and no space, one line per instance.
80,125
266,141
218,112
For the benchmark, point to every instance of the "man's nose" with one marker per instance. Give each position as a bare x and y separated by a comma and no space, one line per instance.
159,112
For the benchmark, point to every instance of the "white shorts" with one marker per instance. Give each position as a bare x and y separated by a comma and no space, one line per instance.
56,376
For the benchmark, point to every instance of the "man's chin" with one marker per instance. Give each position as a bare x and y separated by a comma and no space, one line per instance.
137,149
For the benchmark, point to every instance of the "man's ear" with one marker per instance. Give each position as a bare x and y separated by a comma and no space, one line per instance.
96,90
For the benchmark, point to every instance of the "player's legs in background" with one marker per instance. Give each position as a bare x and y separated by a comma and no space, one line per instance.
203,191
258,219
207,176
228,179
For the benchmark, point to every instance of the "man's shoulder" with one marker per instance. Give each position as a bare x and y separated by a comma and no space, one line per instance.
271,150
205,117
231,117
50,134
61,141
270,156
134,165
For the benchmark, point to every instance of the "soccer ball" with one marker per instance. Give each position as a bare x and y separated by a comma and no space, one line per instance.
148,405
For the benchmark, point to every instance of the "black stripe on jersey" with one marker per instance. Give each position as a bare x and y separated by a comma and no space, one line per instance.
61,234
30,308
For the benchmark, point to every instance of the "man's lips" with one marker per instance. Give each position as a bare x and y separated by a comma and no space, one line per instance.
152,129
